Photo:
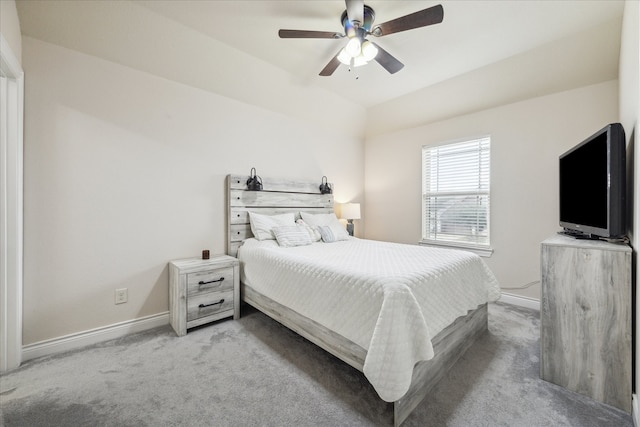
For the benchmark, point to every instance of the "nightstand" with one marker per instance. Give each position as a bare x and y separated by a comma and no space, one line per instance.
202,291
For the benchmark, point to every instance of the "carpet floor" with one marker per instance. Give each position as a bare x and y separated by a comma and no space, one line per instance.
255,372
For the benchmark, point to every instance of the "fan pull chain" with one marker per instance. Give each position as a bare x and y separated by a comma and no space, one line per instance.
351,65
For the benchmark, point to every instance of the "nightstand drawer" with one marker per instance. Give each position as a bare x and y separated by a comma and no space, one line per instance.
209,281
210,303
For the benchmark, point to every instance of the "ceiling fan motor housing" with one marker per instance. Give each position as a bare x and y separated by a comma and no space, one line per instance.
369,17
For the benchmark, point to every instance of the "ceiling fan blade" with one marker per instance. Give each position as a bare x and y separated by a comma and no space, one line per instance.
390,63
302,34
355,11
331,66
422,18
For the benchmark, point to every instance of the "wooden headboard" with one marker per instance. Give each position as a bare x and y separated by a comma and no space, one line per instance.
277,196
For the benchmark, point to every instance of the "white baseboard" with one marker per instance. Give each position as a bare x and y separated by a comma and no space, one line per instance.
635,414
93,336
527,302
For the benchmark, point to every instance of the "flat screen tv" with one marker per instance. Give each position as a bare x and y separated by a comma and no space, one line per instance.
593,186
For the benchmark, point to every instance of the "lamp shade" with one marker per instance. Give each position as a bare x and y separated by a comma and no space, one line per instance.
344,57
369,50
353,47
351,211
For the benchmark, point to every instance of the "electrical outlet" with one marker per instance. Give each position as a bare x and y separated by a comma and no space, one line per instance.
121,296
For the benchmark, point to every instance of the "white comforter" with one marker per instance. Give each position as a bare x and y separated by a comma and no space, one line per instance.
389,298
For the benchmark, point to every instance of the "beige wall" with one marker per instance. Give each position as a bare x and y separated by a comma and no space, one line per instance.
10,27
125,171
526,139
630,117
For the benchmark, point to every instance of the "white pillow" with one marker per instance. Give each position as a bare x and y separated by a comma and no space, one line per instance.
331,233
262,225
313,231
292,235
320,219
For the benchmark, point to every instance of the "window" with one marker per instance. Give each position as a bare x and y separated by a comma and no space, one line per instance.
455,194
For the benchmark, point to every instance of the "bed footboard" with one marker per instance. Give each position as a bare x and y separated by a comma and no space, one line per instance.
449,345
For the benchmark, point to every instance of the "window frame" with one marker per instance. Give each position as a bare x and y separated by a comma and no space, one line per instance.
481,249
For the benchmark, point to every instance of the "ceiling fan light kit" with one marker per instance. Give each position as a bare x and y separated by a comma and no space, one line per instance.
356,54
357,21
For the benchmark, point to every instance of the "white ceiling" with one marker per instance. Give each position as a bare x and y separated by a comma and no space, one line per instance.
473,35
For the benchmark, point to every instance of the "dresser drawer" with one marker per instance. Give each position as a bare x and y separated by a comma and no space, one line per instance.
210,281
210,303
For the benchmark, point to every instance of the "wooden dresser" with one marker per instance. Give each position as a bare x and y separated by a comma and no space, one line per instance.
202,291
585,318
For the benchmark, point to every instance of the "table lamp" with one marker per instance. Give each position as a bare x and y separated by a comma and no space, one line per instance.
350,211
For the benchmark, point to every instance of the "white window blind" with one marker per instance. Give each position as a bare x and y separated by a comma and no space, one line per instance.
455,193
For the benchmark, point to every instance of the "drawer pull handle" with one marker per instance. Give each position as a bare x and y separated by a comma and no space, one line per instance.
213,303
200,283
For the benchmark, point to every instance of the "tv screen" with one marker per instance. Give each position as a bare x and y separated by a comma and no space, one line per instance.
592,185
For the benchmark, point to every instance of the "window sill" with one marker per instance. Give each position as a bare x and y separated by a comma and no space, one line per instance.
485,252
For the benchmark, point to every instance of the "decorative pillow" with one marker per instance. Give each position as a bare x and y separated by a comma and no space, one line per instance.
331,233
314,233
335,230
292,235
262,225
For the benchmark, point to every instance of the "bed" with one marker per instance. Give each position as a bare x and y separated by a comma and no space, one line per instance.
401,314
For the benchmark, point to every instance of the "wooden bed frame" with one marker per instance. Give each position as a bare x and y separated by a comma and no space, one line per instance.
279,196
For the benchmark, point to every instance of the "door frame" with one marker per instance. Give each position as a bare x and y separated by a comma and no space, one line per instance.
11,207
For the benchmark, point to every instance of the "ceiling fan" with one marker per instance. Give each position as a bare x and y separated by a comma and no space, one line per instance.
357,21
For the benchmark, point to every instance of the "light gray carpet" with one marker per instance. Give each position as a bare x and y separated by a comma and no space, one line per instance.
254,372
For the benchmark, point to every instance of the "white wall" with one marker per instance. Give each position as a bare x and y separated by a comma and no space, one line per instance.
630,117
125,171
526,139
